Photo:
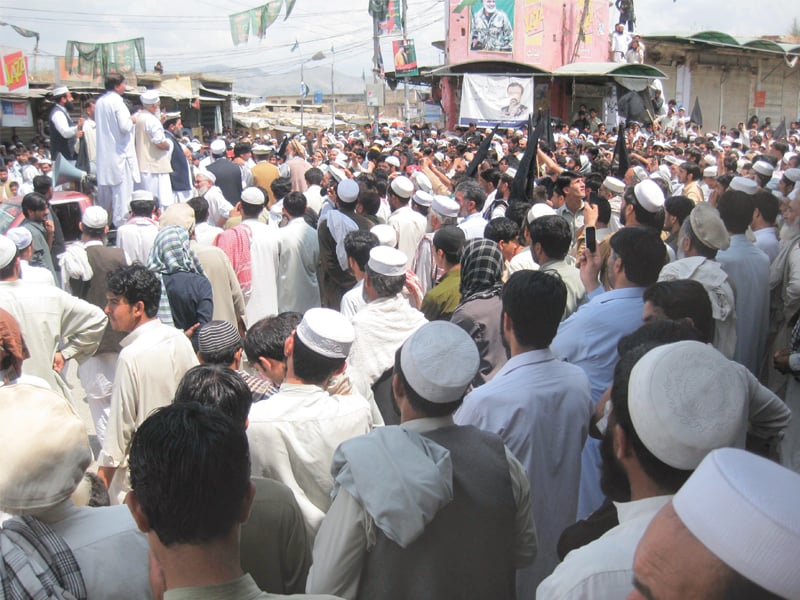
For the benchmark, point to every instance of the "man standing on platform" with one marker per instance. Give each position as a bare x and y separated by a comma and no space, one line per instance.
153,150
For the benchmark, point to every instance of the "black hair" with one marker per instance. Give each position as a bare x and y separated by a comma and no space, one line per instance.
42,184
768,205
267,336
679,207
190,470
386,286
564,180
501,229
736,210
314,176
692,169
472,192
33,201
295,204
553,233
280,187
491,175
142,208
311,367
200,207
544,290
136,283
603,209
642,252
682,299
241,148
113,80
218,386
357,245
370,200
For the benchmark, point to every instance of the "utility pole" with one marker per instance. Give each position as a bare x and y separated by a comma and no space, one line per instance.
376,48
333,95
406,108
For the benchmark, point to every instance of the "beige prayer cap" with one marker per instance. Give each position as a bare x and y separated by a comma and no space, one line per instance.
686,399
743,508
44,449
326,332
387,261
439,361
180,214
708,226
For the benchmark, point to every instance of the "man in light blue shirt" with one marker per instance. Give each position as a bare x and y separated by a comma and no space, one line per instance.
748,269
541,408
589,337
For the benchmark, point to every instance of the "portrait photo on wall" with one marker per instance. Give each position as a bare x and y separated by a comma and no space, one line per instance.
492,26
405,58
491,99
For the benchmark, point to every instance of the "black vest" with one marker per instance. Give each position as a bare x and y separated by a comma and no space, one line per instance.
179,178
467,551
58,143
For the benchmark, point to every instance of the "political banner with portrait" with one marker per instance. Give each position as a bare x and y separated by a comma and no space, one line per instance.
492,26
405,58
487,100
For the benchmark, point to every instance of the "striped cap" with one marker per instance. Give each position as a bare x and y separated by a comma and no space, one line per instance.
217,335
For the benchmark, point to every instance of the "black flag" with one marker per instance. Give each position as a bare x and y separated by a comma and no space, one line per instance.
480,155
282,147
780,130
522,185
548,131
697,114
621,151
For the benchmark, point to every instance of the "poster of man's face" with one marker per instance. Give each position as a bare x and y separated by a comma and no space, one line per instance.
492,26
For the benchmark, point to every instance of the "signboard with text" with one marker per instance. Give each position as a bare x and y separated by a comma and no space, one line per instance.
13,71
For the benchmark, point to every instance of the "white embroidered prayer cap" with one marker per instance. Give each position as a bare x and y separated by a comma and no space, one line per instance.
762,167
538,210
150,97
142,196
8,251
612,184
439,361
21,237
710,171
422,198
326,332
386,234
205,174
44,447
387,261
253,196
347,191
94,217
60,91
394,161
402,187
218,147
744,184
649,195
743,508
444,206
422,182
686,399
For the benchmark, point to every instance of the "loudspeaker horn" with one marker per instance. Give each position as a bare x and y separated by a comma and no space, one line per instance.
65,172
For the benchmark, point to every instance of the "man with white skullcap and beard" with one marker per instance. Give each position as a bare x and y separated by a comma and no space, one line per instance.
655,435
153,150
45,453
294,434
386,321
701,236
453,520
722,536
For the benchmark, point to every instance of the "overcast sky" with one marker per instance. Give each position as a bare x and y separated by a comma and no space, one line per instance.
194,35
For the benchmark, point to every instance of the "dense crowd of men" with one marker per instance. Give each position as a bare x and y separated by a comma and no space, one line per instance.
368,365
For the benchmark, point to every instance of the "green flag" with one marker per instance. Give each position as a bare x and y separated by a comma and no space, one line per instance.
289,8
240,27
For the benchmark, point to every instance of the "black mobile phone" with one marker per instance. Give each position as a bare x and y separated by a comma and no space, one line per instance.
591,240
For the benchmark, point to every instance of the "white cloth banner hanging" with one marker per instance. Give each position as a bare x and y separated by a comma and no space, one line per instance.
487,100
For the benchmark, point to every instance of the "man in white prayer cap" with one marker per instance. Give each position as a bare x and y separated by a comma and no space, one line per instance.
64,132
153,150
722,536
386,321
453,520
293,435
23,239
45,453
443,211
409,224
655,435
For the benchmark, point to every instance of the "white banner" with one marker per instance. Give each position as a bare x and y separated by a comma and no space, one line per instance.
16,114
487,100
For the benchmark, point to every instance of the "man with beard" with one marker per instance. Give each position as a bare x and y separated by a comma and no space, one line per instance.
153,150
491,29
180,178
655,435
784,284
64,132
701,236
